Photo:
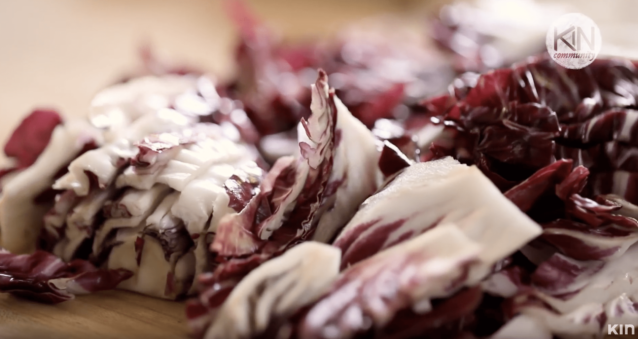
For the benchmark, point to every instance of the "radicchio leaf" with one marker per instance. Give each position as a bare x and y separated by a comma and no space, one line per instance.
128,211
381,71
312,195
175,159
115,107
145,256
179,265
369,295
23,204
271,106
31,137
81,223
97,167
239,243
427,194
43,277
276,290
355,170
560,144
600,296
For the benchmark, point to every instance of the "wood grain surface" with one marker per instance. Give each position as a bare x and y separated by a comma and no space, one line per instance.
113,314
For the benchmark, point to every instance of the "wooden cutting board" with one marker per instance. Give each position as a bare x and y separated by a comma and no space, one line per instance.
112,314
104,315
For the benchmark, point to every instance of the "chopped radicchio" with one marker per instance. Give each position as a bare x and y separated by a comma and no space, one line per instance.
43,277
176,160
308,197
446,191
25,199
379,71
31,137
171,235
297,193
120,105
521,218
97,167
394,293
81,223
130,210
147,200
560,144
370,295
276,290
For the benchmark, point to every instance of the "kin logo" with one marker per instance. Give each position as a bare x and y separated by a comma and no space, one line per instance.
619,329
573,41
577,36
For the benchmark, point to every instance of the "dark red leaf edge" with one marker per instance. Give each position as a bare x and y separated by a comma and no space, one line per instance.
43,277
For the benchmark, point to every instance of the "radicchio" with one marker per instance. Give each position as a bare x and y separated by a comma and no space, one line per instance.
427,194
115,107
100,167
175,159
369,296
559,143
31,137
380,68
149,199
265,299
165,241
395,293
312,195
27,197
43,277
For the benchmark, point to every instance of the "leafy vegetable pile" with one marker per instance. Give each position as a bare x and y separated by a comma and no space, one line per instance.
560,144
506,206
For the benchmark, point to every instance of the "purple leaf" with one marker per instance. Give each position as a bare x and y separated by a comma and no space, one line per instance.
31,137
43,277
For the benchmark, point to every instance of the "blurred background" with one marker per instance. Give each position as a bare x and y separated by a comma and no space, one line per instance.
59,53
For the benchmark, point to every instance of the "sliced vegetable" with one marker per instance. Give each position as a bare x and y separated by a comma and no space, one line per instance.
427,194
43,277
310,196
27,197
273,292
